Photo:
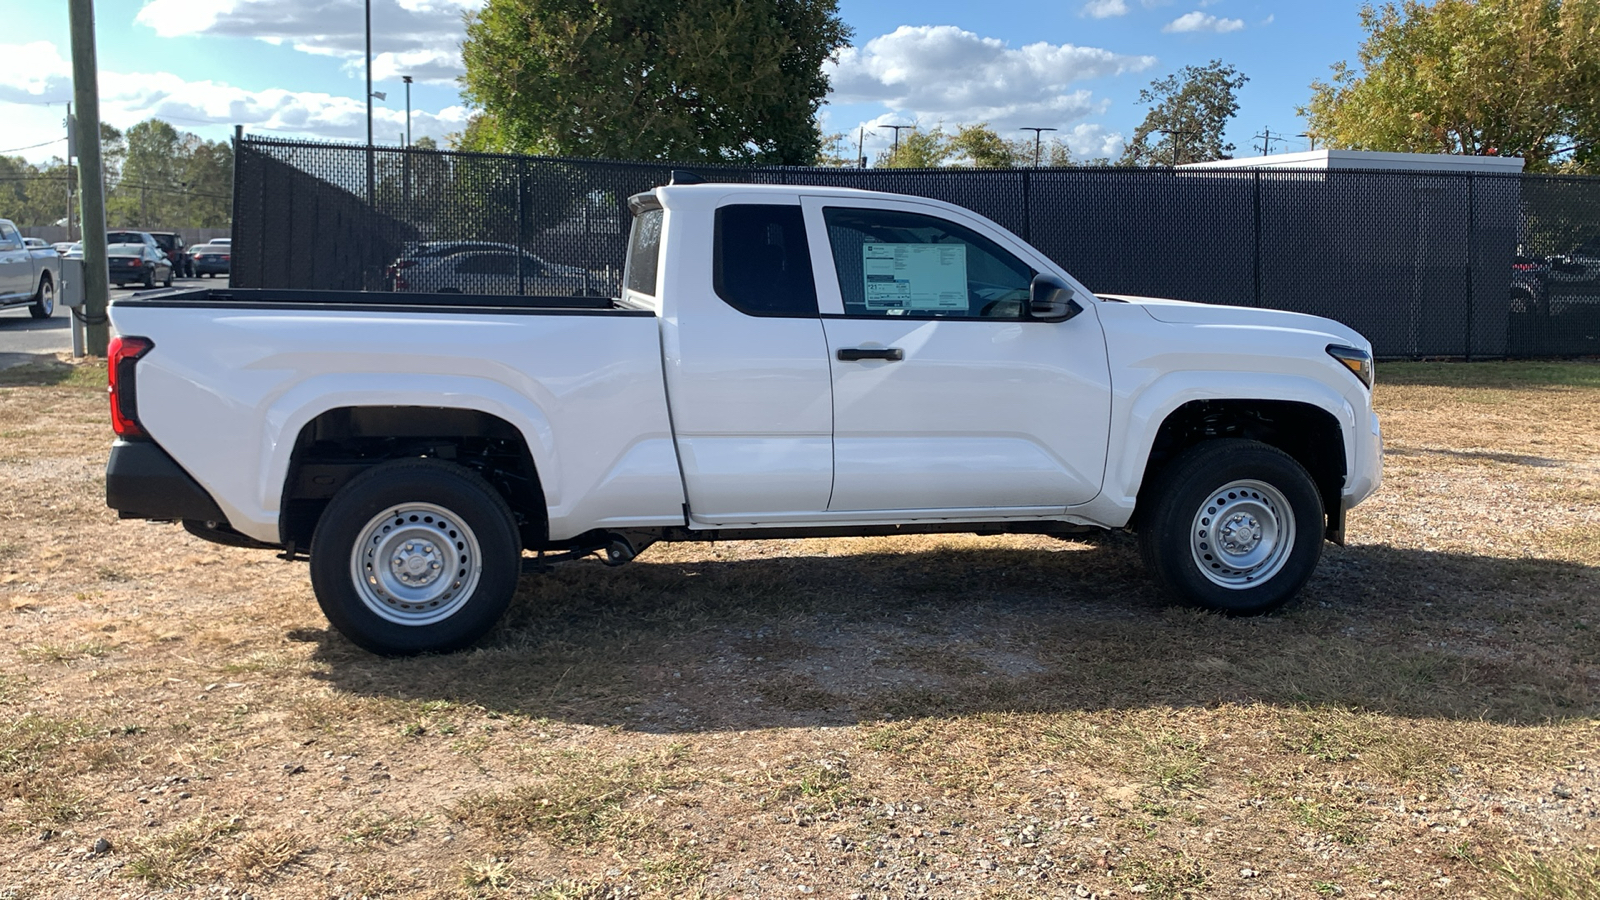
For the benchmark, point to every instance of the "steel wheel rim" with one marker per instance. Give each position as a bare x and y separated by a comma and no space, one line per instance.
1242,534
416,564
47,299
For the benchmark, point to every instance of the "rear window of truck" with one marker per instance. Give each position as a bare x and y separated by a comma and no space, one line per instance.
644,251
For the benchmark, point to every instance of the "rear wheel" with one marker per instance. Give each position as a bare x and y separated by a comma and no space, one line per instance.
149,279
415,556
168,282
44,299
1236,527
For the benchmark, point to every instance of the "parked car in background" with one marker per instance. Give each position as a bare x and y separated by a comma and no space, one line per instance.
417,251
35,243
177,251
493,272
74,251
134,256
29,275
62,247
212,258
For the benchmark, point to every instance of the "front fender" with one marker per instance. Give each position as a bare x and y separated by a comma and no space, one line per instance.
1144,412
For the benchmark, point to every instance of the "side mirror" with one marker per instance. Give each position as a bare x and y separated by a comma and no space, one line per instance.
1050,299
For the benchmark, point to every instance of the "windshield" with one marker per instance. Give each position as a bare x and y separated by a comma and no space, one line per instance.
125,237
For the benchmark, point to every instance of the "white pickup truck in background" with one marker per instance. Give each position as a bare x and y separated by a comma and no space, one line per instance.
783,361
29,276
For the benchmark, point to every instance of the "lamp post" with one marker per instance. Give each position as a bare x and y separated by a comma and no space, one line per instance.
370,174
407,80
895,153
1037,134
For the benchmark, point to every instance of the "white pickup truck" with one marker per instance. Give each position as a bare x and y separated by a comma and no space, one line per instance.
783,361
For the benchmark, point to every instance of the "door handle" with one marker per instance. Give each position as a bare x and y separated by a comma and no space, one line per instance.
856,354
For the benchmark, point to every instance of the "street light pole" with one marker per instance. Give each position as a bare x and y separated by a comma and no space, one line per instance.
370,174
895,153
407,80
1037,134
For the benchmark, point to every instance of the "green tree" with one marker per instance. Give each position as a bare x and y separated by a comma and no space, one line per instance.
159,177
736,81
1474,77
1189,112
968,147
917,149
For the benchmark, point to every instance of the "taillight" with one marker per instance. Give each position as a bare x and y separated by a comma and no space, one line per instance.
122,355
136,263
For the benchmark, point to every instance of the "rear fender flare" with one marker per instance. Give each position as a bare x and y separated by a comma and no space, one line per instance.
289,414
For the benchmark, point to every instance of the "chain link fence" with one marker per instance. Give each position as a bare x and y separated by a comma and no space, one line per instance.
1424,264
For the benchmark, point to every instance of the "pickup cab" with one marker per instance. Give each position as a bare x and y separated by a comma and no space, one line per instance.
783,361
29,275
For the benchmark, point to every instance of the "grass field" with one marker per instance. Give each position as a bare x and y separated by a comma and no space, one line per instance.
913,717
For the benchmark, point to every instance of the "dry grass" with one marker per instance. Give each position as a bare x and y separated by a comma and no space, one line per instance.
945,716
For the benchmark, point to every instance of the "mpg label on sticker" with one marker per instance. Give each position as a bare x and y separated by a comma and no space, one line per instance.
915,276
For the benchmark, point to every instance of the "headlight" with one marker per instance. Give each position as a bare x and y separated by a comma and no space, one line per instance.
1359,362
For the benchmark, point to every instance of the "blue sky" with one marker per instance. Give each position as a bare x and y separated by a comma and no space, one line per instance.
293,67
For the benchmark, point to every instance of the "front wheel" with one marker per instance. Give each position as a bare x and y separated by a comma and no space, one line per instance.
415,556
168,282
44,300
1236,526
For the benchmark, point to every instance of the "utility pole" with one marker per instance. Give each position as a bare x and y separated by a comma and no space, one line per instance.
895,153
86,92
1038,133
861,159
1266,137
72,150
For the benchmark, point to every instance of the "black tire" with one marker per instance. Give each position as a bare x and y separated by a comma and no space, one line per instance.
44,299
149,279
441,512
168,282
1233,526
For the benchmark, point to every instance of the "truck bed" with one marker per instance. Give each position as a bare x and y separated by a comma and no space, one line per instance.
352,301
235,375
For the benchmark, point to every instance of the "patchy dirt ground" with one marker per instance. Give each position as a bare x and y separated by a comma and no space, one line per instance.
927,717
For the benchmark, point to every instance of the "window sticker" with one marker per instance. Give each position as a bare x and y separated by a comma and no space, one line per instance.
915,276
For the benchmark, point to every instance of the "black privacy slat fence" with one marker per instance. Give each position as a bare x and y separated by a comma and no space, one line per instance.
1424,264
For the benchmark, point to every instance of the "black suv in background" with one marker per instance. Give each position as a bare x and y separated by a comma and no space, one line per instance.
171,243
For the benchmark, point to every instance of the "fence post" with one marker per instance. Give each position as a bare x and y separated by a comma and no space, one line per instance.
1256,254
1472,252
1027,206
522,222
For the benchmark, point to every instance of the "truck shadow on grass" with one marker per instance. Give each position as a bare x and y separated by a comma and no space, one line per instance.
708,645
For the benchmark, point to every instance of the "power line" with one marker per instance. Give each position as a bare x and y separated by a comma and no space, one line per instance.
33,146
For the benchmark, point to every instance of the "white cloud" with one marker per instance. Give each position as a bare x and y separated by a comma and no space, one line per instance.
944,74
1090,140
421,38
34,72
130,97
1105,9
1199,21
